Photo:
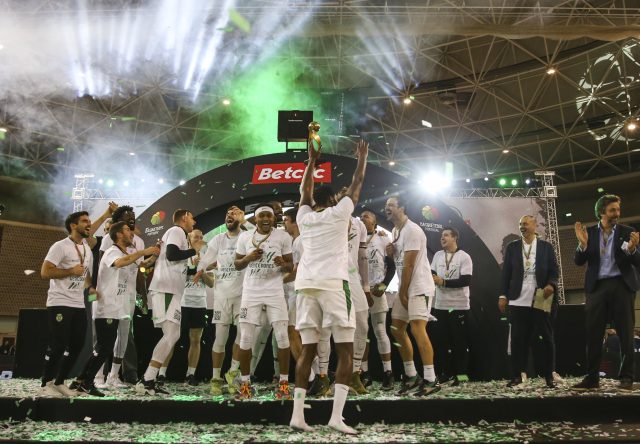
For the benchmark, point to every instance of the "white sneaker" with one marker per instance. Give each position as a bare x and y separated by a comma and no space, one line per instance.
65,391
341,427
115,382
557,377
100,383
49,391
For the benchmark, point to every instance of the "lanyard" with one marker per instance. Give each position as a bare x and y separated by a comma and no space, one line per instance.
84,251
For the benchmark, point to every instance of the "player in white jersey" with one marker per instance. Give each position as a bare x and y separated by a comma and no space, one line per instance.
124,213
323,302
194,307
266,255
291,227
116,281
381,272
409,249
452,269
221,251
68,265
165,291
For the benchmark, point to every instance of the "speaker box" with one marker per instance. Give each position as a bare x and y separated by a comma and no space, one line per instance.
293,126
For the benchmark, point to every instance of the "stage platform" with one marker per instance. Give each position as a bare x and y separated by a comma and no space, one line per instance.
482,404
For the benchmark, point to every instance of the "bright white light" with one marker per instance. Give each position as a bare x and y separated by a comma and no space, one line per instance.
125,183
391,163
182,182
109,182
226,102
160,180
435,182
489,172
100,181
569,214
407,100
527,181
3,130
467,180
631,126
505,151
132,153
551,70
427,124
486,179
1,47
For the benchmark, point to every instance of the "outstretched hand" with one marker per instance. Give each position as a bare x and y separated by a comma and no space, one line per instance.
362,149
581,234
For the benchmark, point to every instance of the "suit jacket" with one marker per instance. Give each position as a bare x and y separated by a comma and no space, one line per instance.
513,268
627,263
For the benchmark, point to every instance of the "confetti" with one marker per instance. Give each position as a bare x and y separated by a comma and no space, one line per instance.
397,345
87,418
29,272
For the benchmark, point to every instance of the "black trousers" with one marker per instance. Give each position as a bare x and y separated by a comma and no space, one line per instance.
67,329
529,324
611,298
106,334
453,341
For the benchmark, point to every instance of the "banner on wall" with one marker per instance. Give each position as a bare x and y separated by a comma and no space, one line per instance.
495,220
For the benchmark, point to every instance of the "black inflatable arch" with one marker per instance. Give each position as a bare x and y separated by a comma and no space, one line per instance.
209,195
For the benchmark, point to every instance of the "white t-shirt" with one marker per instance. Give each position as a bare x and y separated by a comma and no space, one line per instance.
459,264
194,295
296,252
324,235
115,286
357,236
376,253
171,276
138,245
68,291
529,279
412,238
222,251
263,278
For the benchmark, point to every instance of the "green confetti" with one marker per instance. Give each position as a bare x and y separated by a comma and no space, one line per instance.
237,19
60,148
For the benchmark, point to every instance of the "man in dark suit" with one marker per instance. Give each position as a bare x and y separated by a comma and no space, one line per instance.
610,251
529,265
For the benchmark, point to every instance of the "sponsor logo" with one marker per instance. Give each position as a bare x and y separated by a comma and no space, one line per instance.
154,230
158,217
430,213
289,173
428,226
59,317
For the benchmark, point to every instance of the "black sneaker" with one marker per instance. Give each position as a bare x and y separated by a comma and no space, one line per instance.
388,381
514,382
587,384
159,388
75,385
409,384
89,389
365,378
550,383
160,380
314,386
427,388
191,380
144,387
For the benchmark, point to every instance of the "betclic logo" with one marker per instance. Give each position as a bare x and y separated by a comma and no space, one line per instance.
289,173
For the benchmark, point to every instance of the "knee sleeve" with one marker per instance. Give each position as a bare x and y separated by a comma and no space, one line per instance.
222,335
121,341
362,326
379,328
281,334
247,332
170,335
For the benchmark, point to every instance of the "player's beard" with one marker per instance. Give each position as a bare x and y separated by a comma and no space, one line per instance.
234,226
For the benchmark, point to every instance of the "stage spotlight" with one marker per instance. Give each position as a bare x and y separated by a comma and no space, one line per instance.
467,180
600,190
132,153
160,181
514,182
435,182
3,130
427,124
631,126
182,182
505,151
502,182
100,181
527,181
109,182
486,179
551,70
569,214
407,100
226,102
125,183
391,163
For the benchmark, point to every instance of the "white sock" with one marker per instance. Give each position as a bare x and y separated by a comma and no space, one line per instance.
410,369
151,373
115,369
298,405
429,373
386,366
284,378
312,375
191,371
365,366
245,378
216,373
340,393
315,366
163,371
235,365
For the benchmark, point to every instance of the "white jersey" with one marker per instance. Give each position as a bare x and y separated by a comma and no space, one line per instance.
412,238
194,295
529,283
324,236
459,265
171,276
115,286
357,236
69,291
263,278
296,252
376,252
221,250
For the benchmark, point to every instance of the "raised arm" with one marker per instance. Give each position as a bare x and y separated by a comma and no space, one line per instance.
362,151
306,186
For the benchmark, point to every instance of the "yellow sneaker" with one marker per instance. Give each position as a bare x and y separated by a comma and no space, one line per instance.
216,387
